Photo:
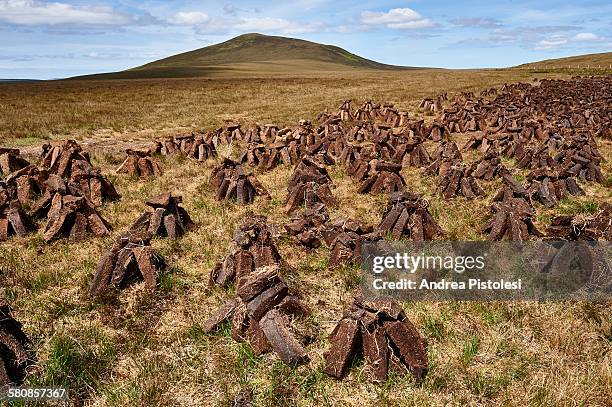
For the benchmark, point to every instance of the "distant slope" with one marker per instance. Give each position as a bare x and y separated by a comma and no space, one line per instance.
602,60
255,54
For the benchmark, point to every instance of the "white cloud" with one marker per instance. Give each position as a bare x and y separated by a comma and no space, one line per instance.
476,22
31,12
395,15
558,41
551,43
396,18
411,25
583,37
189,18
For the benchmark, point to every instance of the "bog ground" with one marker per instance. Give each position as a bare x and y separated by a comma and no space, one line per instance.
142,348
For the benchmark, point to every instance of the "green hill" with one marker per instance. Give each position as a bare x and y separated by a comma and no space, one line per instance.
252,54
592,61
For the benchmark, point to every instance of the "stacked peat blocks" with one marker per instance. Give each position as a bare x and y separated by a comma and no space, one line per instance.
345,238
67,160
73,217
285,152
26,183
382,177
253,247
11,161
140,164
59,157
13,219
260,314
548,187
406,215
310,184
130,258
583,227
447,155
66,190
68,213
459,180
381,332
168,218
89,182
306,226
193,145
489,167
231,182
14,348
412,153
512,213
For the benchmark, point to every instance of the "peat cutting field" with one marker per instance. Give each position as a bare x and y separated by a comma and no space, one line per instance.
195,243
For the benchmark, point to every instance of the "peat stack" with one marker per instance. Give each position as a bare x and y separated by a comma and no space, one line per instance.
488,167
15,348
309,169
168,217
534,156
446,155
231,182
73,217
582,227
166,147
407,215
437,132
427,105
281,152
345,238
511,217
89,182
582,160
60,156
346,110
196,146
261,314
130,258
140,164
252,134
193,145
359,160
412,154
255,155
478,141
383,334
51,186
309,185
27,183
510,188
548,187
306,226
459,180
253,247
383,177
13,219
10,160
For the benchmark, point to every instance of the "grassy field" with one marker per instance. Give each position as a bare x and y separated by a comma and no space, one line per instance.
82,108
138,349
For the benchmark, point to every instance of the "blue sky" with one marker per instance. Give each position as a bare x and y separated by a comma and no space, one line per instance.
43,39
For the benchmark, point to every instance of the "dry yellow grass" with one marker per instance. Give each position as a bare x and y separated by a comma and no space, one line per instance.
146,350
80,108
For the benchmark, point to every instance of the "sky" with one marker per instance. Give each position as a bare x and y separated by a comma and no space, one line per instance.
55,39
